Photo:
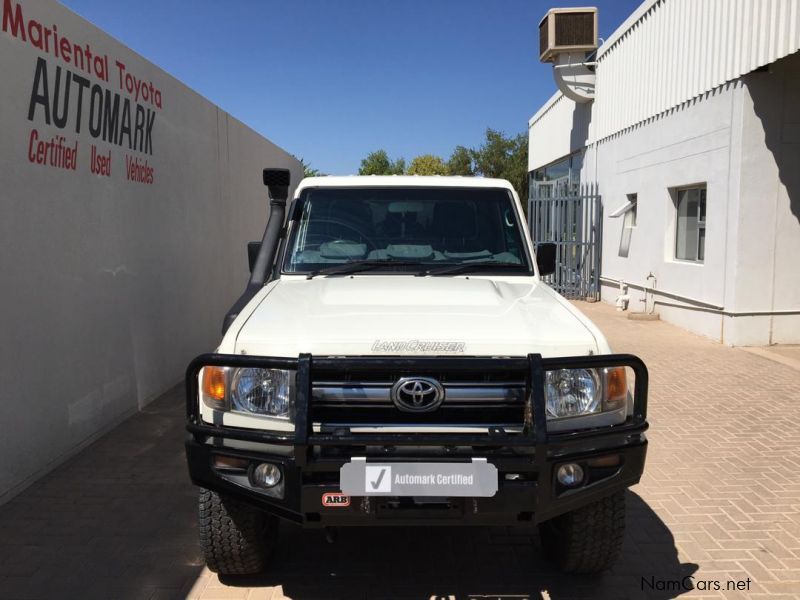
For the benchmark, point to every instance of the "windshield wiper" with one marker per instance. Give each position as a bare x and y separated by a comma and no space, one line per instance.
476,266
362,265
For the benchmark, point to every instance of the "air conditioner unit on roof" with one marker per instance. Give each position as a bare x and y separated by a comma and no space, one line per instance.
567,30
566,37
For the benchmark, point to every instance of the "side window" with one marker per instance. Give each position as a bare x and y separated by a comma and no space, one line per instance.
690,225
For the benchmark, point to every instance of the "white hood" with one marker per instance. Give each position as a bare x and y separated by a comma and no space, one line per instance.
392,315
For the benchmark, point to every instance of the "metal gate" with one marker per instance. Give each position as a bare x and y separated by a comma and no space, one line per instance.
571,217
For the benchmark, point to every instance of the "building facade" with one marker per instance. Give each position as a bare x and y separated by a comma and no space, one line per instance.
693,141
127,201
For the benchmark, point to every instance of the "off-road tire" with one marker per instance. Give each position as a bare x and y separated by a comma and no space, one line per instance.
235,538
588,539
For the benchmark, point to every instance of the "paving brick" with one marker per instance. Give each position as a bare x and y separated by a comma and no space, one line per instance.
719,500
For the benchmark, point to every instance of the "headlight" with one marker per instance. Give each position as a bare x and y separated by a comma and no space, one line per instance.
580,392
263,392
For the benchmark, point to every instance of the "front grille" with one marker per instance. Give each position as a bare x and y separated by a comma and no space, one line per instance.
365,399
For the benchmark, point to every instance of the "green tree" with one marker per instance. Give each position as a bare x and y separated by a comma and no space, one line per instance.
309,171
427,164
506,158
460,162
378,163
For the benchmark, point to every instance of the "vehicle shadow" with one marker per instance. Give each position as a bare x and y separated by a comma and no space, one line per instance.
119,520
450,562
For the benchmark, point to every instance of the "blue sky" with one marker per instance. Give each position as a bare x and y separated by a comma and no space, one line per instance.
330,81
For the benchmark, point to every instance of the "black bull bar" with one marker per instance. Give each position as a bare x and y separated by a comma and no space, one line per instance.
546,447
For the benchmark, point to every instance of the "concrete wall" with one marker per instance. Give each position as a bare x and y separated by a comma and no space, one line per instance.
697,143
559,128
768,227
112,282
742,141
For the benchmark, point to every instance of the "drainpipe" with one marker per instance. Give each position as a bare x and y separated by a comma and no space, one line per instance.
650,288
623,298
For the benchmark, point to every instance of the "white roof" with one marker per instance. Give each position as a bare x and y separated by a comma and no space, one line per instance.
668,52
402,181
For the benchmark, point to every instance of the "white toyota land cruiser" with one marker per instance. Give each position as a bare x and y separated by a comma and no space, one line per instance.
397,360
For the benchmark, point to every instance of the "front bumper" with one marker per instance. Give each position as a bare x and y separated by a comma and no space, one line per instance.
613,457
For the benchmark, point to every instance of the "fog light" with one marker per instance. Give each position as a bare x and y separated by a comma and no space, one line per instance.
570,475
266,475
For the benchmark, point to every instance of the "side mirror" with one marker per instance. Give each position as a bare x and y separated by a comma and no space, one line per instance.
253,248
546,258
277,182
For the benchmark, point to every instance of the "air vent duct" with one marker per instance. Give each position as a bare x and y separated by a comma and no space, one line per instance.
566,37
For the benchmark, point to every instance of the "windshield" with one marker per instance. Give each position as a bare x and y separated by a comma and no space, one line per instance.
406,230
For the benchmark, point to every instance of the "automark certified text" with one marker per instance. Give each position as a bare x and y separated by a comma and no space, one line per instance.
434,479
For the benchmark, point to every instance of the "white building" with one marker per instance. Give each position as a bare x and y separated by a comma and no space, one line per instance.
693,140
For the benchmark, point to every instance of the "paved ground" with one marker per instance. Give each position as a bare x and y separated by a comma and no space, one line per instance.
791,352
719,502
788,355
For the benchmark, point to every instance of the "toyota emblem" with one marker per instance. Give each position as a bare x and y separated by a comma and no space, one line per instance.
417,394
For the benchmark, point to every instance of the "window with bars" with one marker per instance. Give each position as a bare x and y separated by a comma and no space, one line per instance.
690,226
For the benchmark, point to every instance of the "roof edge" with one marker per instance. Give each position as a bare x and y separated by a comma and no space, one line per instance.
403,180
627,24
545,107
